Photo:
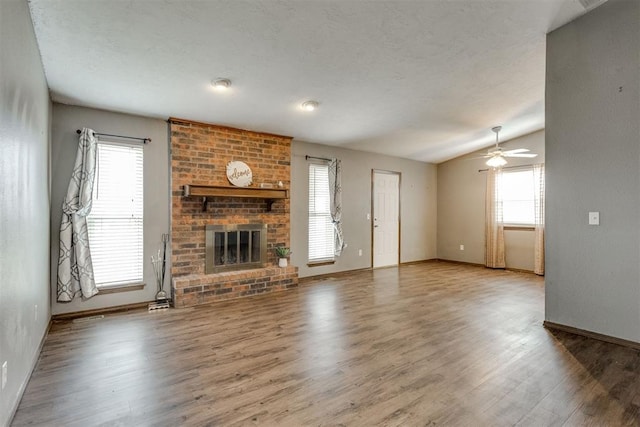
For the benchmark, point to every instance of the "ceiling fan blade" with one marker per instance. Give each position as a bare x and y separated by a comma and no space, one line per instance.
521,155
516,151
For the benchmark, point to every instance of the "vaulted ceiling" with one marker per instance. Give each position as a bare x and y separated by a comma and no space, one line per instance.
424,80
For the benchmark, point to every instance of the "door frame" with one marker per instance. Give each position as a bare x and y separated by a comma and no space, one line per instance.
388,172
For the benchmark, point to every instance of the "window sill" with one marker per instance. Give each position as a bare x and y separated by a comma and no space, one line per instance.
321,263
519,227
103,290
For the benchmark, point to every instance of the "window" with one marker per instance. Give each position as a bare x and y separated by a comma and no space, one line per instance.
115,221
518,193
321,230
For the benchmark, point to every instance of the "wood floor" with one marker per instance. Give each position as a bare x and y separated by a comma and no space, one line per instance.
421,345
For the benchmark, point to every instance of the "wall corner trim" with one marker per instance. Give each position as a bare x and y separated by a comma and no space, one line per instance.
34,362
588,334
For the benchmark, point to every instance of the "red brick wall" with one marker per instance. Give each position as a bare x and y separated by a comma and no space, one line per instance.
199,155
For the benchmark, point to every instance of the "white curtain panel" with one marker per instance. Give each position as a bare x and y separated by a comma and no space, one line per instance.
335,190
494,225
75,271
538,179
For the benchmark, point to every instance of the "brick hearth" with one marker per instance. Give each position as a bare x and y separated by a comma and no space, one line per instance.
198,289
199,155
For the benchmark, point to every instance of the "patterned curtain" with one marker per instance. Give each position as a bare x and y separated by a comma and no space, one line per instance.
75,271
335,190
538,180
494,225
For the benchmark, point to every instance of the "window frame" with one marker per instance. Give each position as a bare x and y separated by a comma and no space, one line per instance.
137,282
512,225
326,213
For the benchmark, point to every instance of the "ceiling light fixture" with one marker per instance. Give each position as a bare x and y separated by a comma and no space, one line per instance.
221,84
309,105
496,159
497,155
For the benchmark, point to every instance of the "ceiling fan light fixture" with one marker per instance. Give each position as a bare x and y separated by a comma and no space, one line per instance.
310,105
496,161
221,84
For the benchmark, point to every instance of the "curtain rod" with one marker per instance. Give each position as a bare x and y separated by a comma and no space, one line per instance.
144,140
317,158
509,167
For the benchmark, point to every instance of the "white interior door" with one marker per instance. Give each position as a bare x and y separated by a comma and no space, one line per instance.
386,218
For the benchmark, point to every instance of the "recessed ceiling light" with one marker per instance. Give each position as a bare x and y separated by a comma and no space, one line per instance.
221,84
309,105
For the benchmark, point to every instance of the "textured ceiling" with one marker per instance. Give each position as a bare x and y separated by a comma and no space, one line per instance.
424,80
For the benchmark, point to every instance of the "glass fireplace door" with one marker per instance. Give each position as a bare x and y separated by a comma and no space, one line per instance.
235,247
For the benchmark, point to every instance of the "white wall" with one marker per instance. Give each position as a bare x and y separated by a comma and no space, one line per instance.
461,207
24,201
66,119
593,164
417,197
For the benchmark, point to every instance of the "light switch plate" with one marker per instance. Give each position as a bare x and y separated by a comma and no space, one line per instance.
594,218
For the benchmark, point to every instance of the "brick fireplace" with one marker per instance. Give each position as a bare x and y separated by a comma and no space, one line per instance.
199,155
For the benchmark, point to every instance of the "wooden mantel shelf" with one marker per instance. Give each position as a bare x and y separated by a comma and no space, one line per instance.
209,191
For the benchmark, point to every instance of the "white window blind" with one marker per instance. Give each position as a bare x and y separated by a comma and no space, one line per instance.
116,218
321,230
517,190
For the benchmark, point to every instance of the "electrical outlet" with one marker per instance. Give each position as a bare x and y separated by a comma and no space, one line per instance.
462,247
359,252
594,218
35,313
4,374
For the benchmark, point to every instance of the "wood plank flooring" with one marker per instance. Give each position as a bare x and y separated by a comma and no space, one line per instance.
421,345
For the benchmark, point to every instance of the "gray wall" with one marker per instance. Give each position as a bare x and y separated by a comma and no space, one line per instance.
24,201
461,193
593,164
66,119
417,197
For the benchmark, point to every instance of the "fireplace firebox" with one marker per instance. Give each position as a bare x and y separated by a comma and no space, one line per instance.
235,247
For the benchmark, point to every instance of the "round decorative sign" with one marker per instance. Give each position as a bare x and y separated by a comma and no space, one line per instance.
239,174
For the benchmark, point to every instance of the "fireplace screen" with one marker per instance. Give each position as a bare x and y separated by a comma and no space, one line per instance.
235,247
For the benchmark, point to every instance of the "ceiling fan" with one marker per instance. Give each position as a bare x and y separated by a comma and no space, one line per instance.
497,156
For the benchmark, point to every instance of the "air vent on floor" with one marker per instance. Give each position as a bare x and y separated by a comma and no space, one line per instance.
159,305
